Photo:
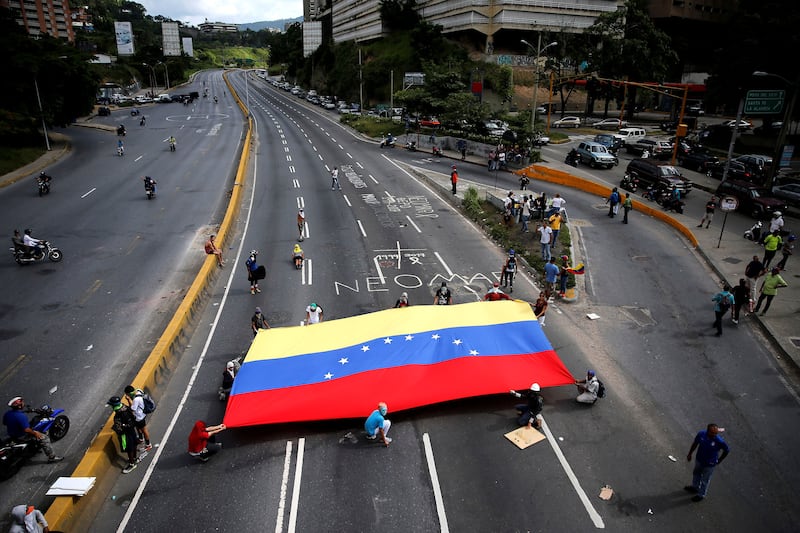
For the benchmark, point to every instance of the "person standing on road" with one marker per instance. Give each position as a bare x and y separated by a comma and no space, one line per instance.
136,399
254,271
787,250
776,222
627,205
711,205
443,296
613,202
529,413
555,204
708,444
723,301
335,179
509,269
378,425
545,238
551,271
527,212
754,270
540,204
769,289
125,428
563,276
453,177
313,314
772,242
540,308
555,224
258,322
741,296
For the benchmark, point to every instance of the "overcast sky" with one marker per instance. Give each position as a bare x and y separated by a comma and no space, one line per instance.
233,11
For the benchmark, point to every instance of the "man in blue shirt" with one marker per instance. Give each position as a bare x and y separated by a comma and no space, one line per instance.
19,429
377,424
551,271
708,444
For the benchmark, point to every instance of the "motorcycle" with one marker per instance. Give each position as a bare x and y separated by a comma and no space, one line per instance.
142,121
754,233
134,112
411,146
13,454
121,131
629,183
669,204
387,142
43,181
120,151
150,188
298,262
572,158
436,151
27,254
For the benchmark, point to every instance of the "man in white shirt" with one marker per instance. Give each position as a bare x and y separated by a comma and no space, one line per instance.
545,238
556,204
588,388
137,408
27,240
313,314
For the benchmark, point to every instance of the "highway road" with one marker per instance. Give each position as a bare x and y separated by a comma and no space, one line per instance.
653,347
75,332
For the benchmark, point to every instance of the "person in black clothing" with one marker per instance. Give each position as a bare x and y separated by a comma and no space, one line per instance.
443,295
125,428
754,270
741,296
530,413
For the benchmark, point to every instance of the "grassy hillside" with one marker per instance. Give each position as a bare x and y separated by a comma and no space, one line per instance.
230,54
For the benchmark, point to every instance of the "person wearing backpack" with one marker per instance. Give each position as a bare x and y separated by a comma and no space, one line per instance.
509,269
723,301
588,388
125,428
137,405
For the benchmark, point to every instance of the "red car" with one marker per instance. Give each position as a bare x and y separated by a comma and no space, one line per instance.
430,122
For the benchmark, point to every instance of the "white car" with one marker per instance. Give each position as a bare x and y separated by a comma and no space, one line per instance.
743,124
141,99
567,122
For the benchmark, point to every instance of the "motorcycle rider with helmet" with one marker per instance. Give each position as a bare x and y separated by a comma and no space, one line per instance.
33,244
149,184
19,429
298,256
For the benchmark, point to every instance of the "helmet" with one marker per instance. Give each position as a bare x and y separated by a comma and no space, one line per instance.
297,248
590,372
229,365
16,402
115,402
776,214
535,387
41,173
511,251
258,310
27,231
253,252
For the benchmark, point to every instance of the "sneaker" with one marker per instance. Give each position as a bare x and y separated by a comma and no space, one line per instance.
372,437
257,289
148,447
690,488
699,225
252,290
55,459
698,498
130,468
734,321
387,439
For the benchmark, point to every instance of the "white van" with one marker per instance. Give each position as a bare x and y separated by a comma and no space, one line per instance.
630,135
164,98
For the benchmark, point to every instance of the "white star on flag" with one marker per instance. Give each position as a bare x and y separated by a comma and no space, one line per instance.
344,360
387,340
365,348
328,376
457,342
473,352
435,336
409,337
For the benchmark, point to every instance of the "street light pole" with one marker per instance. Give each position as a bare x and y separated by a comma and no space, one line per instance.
787,118
41,112
539,51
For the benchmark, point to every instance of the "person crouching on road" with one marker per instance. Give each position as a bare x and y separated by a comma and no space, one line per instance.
587,388
199,438
529,413
378,425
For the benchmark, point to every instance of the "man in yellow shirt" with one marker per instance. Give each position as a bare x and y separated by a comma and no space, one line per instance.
555,225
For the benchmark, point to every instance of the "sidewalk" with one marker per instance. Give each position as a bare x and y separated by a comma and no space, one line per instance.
781,325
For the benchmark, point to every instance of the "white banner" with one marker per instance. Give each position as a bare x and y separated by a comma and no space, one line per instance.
171,41
124,38
188,48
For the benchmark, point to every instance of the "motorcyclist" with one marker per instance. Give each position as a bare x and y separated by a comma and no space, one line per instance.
298,256
29,241
149,184
20,430
120,147
44,180
573,157
142,121
121,130
215,99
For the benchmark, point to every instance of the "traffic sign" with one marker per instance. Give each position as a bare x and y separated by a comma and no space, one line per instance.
764,102
729,203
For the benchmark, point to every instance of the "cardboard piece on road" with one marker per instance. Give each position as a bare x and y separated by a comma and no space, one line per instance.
606,493
71,486
524,437
592,316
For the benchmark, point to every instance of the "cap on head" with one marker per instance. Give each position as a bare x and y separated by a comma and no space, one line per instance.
16,401
495,284
535,387
590,372
313,306
129,389
115,402
258,310
404,295
776,214
453,167
253,252
511,251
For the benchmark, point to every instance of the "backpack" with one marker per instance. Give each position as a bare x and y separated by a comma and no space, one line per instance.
601,389
149,404
724,303
443,295
511,266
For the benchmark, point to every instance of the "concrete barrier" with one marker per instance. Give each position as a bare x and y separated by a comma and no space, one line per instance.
102,458
566,179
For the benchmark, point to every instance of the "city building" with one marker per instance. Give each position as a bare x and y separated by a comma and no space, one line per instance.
217,27
43,17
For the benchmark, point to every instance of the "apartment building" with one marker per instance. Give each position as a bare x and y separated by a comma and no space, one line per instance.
43,17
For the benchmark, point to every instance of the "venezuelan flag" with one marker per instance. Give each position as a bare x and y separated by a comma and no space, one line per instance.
407,357
577,270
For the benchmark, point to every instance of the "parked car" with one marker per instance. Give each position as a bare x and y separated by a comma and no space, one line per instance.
142,99
654,147
789,192
650,172
103,111
611,142
736,170
430,122
758,166
696,109
610,124
567,122
743,124
164,98
595,155
753,200
698,158
631,135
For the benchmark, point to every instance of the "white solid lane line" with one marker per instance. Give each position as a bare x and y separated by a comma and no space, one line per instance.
287,463
437,489
298,472
90,191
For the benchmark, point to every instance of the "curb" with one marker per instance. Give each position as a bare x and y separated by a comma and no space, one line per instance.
100,460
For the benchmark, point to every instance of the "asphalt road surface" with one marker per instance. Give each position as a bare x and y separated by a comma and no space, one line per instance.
667,375
75,332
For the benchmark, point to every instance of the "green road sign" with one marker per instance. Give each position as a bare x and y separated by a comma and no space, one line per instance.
764,102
